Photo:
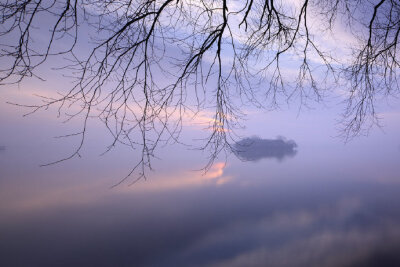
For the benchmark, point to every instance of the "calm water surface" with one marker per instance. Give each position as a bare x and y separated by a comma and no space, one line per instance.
327,204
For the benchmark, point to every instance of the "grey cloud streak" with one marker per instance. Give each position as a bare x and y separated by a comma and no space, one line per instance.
255,148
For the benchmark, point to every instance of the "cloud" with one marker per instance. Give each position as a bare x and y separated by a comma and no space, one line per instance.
323,248
255,148
328,235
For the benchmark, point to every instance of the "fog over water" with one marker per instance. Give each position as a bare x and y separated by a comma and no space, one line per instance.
312,201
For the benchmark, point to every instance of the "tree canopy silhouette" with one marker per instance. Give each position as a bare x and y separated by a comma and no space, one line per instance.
147,63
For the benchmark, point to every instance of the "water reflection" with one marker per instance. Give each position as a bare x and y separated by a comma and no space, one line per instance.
257,225
329,206
255,148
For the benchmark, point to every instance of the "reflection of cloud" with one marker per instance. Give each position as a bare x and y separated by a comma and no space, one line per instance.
212,228
92,191
216,171
206,120
329,249
182,180
255,148
46,198
307,237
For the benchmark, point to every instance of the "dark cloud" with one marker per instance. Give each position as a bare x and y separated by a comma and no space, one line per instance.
255,148
2,148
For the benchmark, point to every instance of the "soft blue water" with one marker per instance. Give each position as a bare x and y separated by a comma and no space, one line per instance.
330,204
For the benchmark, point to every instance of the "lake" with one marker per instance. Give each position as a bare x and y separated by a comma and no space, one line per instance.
320,203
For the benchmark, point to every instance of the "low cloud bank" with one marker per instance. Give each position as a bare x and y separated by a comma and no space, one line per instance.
255,148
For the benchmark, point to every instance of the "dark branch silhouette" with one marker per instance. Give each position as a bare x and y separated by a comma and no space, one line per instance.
150,63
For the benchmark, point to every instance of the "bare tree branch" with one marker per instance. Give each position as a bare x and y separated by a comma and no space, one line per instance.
152,62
